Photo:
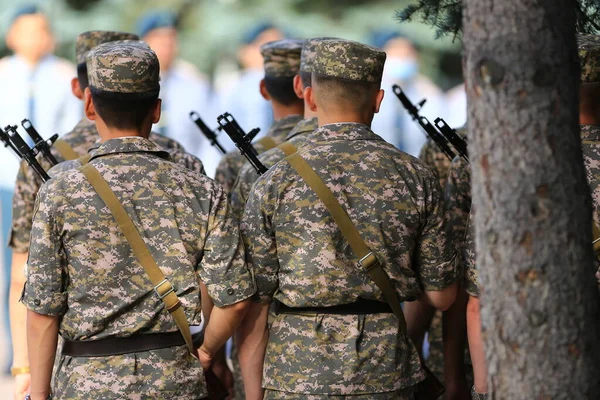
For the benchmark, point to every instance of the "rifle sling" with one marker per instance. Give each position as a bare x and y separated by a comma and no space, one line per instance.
267,142
162,287
65,150
368,260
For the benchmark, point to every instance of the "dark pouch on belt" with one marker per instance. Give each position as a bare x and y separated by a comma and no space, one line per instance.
216,389
430,388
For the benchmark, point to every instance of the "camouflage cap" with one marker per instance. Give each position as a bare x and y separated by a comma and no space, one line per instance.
123,67
282,57
308,53
346,59
86,41
589,57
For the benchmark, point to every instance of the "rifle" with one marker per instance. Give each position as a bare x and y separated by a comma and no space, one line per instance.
210,135
242,140
11,138
42,146
429,129
457,142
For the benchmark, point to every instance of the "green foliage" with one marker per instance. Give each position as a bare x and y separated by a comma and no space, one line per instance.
446,15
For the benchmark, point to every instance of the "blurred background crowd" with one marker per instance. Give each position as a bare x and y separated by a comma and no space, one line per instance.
210,63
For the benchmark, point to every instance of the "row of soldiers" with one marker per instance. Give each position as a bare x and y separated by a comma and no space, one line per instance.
129,235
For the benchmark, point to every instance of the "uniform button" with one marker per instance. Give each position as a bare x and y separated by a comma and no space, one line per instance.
230,291
37,302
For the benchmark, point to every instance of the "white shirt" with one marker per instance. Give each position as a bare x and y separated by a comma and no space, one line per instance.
184,89
456,100
55,108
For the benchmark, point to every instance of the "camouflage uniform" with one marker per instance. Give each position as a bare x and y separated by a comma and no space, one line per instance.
281,59
248,175
458,200
82,269
589,54
81,139
299,258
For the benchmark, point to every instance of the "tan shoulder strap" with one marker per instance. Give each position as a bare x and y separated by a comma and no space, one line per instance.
288,148
367,260
162,287
65,150
267,142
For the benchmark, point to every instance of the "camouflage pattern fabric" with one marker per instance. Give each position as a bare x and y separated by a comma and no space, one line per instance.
458,197
299,258
232,162
435,158
591,159
282,58
345,59
83,137
123,67
248,175
81,268
86,41
589,57
309,52
404,394
478,396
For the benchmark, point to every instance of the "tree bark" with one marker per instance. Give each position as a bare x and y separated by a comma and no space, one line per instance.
540,304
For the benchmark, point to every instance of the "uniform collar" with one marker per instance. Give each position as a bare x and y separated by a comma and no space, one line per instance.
343,131
590,132
283,126
305,126
129,145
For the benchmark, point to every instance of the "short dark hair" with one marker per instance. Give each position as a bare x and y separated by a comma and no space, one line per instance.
123,110
82,76
281,89
306,78
346,93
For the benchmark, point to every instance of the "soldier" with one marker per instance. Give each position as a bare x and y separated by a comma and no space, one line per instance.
423,318
281,64
589,118
297,137
70,146
83,279
334,334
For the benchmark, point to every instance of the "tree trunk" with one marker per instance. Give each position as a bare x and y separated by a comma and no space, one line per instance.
540,304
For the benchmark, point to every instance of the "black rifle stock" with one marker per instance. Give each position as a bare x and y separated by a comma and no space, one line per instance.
210,135
427,126
242,140
457,142
41,145
24,151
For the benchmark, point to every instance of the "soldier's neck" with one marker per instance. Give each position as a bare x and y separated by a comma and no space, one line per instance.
107,132
329,117
281,111
588,119
308,113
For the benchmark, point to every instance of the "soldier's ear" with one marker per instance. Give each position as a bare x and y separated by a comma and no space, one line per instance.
76,89
298,87
88,105
309,97
156,111
379,99
263,90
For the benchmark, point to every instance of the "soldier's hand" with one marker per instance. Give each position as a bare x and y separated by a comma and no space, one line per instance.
22,385
205,358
